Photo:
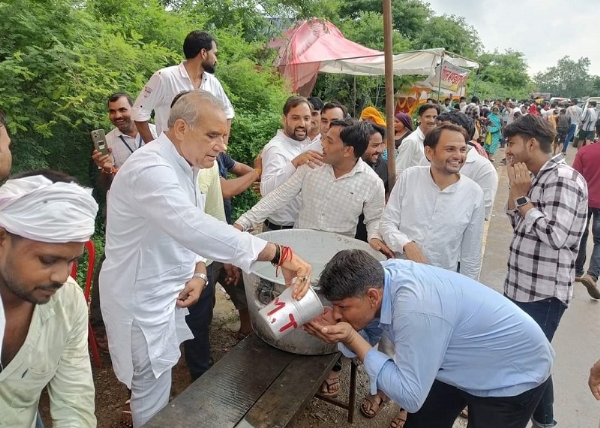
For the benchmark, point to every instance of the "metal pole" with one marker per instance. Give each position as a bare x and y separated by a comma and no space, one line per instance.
475,86
440,81
389,90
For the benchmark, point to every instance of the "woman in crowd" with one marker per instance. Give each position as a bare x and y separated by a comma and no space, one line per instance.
494,134
403,127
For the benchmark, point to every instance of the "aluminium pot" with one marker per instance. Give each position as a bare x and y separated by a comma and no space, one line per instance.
262,286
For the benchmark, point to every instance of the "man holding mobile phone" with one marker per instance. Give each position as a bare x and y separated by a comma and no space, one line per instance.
121,141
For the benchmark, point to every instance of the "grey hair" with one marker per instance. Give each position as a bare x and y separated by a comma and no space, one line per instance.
186,106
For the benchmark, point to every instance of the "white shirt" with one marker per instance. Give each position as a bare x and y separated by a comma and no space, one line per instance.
411,152
329,204
447,225
2,325
156,227
588,119
164,85
277,167
574,112
482,172
315,145
123,145
511,116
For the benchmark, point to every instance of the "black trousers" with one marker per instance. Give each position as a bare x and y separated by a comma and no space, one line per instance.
444,403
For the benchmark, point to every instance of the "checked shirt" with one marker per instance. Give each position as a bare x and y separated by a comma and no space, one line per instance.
541,263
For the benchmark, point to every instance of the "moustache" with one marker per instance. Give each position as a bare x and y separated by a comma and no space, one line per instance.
51,287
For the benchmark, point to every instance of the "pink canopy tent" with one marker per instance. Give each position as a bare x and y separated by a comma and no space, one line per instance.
303,47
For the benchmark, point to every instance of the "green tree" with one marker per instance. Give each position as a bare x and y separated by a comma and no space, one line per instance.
450,32
408,16
502,75
568,78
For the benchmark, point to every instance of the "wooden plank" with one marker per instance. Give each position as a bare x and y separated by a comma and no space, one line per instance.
225,393
290,393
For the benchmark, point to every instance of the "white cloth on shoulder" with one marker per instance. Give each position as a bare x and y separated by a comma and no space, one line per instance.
39,209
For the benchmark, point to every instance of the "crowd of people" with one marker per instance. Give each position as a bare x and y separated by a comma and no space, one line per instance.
431,337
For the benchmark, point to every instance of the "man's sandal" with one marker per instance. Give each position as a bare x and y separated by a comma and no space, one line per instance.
330,387
126,419
400,420
372,404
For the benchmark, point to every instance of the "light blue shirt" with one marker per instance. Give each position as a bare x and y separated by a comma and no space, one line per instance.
448,327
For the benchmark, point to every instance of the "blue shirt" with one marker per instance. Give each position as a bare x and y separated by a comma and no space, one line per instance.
226,164
448,327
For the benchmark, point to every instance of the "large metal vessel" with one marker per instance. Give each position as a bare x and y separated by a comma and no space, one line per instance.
262,286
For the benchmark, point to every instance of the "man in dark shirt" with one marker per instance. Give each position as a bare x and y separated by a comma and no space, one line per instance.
373,158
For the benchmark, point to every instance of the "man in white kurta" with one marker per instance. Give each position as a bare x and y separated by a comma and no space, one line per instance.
156,228
283,154
434,214
411,151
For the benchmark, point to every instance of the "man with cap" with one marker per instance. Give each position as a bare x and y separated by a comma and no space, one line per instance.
45,219
157,236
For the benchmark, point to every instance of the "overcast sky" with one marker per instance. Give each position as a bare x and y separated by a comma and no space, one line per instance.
544,30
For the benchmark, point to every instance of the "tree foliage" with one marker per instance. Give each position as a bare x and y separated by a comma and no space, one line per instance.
568,78
60,59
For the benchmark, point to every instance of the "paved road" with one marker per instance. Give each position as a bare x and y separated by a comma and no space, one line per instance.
577,341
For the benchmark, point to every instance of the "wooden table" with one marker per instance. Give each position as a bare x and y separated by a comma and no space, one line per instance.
254,385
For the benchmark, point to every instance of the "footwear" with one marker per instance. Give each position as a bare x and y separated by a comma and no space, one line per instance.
126,420
372,404
331,386
590,284
400,420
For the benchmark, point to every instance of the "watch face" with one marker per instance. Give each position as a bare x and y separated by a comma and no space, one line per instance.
522,201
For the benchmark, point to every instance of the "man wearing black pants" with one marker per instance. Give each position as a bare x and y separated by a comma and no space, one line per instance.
547,207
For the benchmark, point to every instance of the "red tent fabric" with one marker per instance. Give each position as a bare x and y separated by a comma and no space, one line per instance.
304,46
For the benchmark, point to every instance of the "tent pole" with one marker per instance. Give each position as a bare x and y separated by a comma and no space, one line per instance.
441,71
389,90
475,86
354,101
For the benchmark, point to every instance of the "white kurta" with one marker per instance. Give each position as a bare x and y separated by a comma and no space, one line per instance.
277,167
156,227
447,225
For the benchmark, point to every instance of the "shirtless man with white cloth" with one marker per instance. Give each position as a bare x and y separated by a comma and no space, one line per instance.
156,230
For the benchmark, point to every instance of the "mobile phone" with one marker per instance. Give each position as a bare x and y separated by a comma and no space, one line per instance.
99,140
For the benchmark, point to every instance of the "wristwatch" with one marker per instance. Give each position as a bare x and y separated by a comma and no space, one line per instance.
523,200
202,276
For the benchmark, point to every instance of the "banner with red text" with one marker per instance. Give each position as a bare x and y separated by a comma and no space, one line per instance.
453,78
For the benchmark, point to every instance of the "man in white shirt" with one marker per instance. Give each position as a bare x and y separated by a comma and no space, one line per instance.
513,108
196,72
476,167
587,131
412,151
434,214
156,230
283,154
5,165
574,112
45,219
315,122
122,140
330,112
334,195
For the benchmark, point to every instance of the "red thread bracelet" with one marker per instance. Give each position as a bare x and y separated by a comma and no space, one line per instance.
285,253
